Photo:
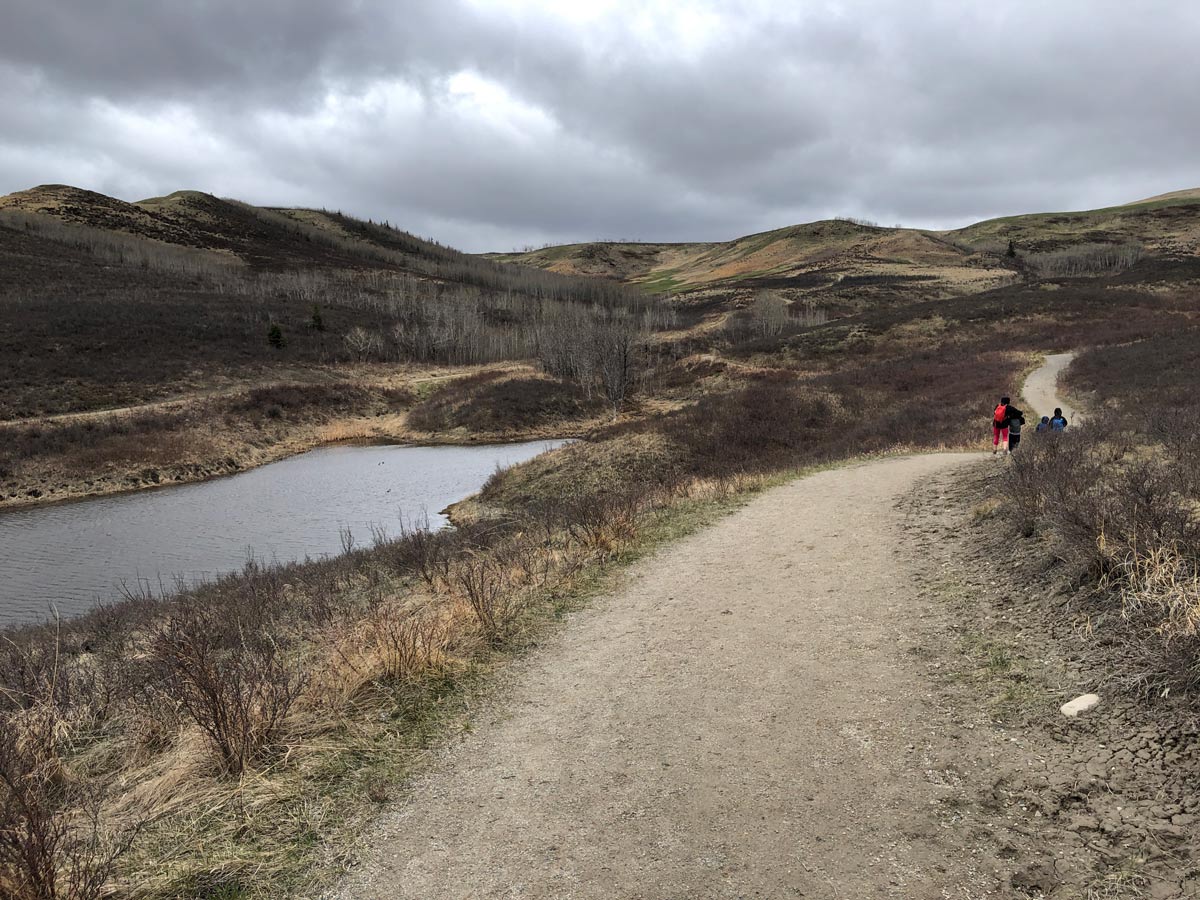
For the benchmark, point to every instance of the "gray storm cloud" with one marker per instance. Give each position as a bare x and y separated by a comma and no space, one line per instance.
497,124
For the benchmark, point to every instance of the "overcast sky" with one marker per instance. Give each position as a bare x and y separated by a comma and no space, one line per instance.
490,124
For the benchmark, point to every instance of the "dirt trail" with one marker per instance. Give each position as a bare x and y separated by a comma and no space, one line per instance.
752,715
1041,389
744,719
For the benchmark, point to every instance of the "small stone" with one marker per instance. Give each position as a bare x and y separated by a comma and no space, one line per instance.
1080,704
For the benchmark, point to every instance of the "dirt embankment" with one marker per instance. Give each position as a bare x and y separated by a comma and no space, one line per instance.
222,432
1111,797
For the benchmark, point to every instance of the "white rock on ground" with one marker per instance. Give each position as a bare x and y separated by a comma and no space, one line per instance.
1082,703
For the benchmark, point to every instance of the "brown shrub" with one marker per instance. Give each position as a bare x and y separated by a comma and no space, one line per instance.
239,692
53,845
409,643
496,403
775,422
481,582
1159,591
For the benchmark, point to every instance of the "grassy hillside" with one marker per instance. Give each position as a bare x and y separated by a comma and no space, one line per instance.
845,265
258,237
1166,226
111,303
820,256
132,330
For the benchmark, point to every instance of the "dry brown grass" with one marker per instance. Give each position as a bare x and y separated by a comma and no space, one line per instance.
260,719
1164,583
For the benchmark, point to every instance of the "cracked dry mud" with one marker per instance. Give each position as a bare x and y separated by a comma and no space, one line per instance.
1112,799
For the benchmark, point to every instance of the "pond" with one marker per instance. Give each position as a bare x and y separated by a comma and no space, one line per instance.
68,557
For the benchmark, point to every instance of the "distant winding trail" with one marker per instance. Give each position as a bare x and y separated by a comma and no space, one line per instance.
747,717
1041,389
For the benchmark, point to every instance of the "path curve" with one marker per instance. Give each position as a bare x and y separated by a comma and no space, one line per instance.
745,718
1041,389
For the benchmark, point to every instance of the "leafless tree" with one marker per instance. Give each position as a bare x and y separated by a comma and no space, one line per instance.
769,314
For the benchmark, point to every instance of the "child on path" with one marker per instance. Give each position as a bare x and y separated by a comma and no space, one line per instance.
1000,426
1059,422
1044,425
1016,419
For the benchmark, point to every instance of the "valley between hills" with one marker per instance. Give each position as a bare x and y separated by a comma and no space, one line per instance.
776,620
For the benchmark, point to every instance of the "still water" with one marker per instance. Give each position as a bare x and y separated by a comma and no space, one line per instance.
68,557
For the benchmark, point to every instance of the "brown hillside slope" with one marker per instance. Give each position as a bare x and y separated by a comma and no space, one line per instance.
864,263
1189,194
1167,226
842,257
263,238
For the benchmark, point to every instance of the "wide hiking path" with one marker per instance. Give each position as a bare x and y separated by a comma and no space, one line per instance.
756,712
746,717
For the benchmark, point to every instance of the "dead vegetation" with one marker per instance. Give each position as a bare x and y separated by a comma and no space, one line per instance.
1120,497
237,686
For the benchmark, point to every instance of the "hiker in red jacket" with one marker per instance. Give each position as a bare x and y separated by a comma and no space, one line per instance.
1000,427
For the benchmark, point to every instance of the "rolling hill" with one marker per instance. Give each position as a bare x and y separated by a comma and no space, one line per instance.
260,237
855,263
112,304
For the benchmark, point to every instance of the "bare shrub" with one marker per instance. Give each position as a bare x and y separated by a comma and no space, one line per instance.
1053,479
409,642
421,551
1159,591
531,561
238,694
772,423
481,582
616,344
769,314
31,673
53,844
362,344
494,402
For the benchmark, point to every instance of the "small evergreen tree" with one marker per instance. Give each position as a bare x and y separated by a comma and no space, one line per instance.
275,336
317,322
1012,250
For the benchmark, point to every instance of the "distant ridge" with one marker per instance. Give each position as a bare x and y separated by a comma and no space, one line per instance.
844,263
1189,194
263,237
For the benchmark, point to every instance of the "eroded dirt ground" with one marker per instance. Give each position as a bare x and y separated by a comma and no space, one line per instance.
1111,800
847,689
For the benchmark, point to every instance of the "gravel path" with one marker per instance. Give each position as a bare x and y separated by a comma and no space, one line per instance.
1041,390
746,717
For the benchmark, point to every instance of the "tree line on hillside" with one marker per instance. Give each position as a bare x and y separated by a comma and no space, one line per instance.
456,310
